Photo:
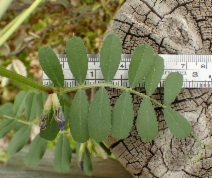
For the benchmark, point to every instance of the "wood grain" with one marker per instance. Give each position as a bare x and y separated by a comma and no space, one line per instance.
170,27
16,168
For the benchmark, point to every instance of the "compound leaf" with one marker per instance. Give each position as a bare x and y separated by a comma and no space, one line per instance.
6,109
36,151
99,117
110,55
78,121
87,164
154,75
172,87
51,65
62,158
146,123
30,106
19,105
19,139
140,64
122,116
177,124
6,126
77,58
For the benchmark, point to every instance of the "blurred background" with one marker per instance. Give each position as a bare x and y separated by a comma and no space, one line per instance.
26,25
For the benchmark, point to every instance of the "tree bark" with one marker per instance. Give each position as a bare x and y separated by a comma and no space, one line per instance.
170,27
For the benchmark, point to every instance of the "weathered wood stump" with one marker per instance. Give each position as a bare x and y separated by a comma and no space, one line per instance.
170,27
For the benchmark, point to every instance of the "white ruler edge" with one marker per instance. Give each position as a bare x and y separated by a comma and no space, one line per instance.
196,70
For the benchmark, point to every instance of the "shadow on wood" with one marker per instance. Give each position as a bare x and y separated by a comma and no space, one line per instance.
16,168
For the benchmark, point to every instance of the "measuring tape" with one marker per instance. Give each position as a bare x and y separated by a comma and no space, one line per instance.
196,70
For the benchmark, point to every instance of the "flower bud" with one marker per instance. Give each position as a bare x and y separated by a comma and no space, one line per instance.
55,102
42,123
48,105
59,116
62,125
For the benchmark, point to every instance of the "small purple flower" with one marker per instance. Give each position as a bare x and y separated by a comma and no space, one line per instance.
59,116
62,125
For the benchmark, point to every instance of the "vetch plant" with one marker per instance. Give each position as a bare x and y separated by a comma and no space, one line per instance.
85,119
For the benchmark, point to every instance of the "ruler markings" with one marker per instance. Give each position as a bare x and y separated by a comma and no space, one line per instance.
196,69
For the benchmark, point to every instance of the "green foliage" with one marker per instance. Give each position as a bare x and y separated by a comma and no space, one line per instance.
6,126
90,119
40,100
147,125
110,56
140,64
51,65
30,105
19,104
177,124
6,109
154,75
52,129
87,164
36,151
19,140
78,121
62,158
122,116
99,117
77,58
170,90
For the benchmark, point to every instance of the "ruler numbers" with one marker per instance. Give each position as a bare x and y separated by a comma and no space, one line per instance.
196,70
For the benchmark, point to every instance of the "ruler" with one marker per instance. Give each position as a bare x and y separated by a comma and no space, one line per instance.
196,70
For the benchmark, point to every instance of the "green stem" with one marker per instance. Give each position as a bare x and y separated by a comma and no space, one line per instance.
200,142
19,21
21,121
24,80
4,6
9,25
110,86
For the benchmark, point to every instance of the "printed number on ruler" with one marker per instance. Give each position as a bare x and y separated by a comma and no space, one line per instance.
196,70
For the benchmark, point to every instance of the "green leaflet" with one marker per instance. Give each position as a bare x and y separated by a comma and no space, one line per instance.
154,75
140,64
172,87
65,103
87,164
19,139
19,105
6,126
40,101
36,151
78,121
66,113
62,158
51,65
99,117
146,123
177,124
78,152
77,58
122,116
110,56
51,130
30,106
6,109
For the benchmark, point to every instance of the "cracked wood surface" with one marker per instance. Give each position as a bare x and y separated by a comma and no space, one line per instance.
170,27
